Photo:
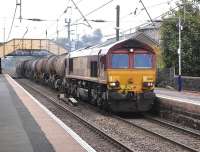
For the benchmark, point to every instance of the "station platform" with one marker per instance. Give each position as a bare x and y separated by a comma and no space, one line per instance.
194,97
27,126
187,101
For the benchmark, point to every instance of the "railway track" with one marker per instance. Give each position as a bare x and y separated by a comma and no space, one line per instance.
115,142
171,125
95,129
164,124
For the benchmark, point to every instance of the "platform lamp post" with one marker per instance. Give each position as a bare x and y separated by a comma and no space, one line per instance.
179,55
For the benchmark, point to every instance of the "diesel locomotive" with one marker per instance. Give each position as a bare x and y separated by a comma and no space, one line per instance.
118,77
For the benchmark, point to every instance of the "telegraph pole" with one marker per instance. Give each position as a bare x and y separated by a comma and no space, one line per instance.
179,55
57,35
69,38
117,22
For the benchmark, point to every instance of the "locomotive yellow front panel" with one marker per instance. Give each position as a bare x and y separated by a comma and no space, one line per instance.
131,80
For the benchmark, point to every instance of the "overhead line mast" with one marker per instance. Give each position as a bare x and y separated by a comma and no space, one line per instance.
20,16
117,22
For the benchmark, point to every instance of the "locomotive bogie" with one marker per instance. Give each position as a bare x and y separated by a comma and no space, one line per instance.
131,102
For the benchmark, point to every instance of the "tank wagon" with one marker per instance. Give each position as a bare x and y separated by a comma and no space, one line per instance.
29,69
119,77
20,69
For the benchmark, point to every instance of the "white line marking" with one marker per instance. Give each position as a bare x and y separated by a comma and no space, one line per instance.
178,99
64,126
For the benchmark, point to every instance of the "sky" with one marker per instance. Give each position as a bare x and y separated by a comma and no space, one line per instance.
52,11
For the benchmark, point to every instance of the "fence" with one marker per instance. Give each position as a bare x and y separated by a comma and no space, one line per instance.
167,78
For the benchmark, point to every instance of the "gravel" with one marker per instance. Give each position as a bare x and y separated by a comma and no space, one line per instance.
96,141
135,138
177,135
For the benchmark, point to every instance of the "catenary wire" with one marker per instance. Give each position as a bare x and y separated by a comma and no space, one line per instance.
12,23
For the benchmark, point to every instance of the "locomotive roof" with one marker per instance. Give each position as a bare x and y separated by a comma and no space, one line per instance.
102,49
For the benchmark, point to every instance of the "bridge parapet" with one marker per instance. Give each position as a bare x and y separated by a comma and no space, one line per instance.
32,45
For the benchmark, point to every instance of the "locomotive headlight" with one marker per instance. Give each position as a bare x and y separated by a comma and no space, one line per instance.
131,50
148,84
114,84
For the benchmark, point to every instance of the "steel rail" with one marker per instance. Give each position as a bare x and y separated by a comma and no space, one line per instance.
158,135
82,120
165,123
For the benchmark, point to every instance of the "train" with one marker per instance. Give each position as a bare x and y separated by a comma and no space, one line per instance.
117,77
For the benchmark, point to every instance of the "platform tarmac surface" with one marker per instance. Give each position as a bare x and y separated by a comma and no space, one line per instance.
186,95
27,127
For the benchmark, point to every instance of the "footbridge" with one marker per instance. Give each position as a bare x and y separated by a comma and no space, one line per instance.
30,45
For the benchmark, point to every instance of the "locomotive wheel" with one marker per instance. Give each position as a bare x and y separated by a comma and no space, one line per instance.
73,90
105,100
99,103
77,93
94,97
103,105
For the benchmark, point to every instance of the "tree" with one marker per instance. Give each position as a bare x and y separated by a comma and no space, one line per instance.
190,36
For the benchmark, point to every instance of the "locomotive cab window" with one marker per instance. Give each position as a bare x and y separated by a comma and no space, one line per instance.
120,61
143,61
93,69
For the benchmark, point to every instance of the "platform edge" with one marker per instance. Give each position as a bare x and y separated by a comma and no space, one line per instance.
77,138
